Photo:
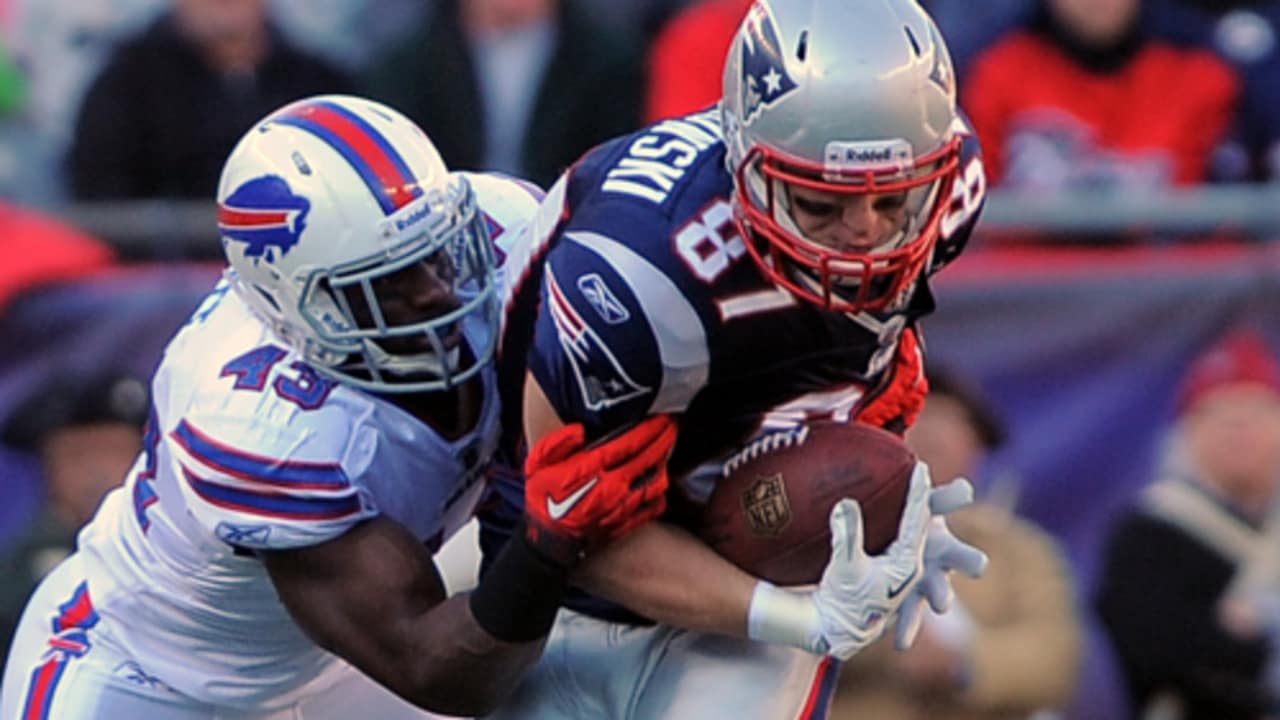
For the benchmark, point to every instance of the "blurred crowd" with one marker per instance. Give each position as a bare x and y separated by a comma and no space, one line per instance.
141,100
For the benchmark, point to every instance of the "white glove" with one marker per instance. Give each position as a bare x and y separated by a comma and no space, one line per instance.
858,593
943,552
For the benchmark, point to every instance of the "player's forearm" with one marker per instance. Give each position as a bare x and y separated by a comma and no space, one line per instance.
464,670
374,598
432,653
484,641
664,573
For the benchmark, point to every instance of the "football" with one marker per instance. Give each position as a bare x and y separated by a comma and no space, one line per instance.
770,509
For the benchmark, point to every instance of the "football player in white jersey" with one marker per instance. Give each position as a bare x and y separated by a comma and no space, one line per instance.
320,426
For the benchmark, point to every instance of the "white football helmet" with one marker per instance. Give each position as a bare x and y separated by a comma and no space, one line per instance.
854,98
330,195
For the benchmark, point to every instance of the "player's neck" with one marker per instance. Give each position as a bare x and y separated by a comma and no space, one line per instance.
451,413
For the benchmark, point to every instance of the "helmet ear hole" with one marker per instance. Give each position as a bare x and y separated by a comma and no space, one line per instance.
915,44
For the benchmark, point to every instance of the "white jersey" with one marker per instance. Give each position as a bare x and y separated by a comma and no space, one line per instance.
250,449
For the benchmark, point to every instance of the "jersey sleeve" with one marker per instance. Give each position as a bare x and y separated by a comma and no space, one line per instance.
268,485
594,352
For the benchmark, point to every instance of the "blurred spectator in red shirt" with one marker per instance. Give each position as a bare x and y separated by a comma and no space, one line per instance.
170,104
1083,96
43,250
686,60
1247,34
970,27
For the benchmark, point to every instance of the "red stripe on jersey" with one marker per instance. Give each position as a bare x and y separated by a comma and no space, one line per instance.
43,682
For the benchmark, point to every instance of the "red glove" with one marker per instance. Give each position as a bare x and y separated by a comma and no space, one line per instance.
895,405
578,497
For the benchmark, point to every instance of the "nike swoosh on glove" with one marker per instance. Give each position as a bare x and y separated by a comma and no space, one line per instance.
579,496
858,594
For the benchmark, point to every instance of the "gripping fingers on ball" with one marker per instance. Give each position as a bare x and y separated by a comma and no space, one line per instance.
915,516
846,530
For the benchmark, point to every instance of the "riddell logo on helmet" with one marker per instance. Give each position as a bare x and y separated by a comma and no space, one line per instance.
880,155
415,216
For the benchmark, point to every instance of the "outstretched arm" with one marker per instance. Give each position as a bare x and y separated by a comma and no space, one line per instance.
374,597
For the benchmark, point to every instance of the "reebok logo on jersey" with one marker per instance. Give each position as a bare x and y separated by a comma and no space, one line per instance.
603,300
242,535
558,509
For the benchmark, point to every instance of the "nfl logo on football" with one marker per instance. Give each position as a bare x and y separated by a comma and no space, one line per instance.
765,504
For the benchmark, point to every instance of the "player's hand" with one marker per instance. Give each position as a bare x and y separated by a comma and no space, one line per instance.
578,496
943,552
859,594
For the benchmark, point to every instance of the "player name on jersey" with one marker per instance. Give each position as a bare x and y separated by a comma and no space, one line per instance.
656,160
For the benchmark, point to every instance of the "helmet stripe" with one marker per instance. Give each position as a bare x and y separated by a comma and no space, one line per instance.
383,170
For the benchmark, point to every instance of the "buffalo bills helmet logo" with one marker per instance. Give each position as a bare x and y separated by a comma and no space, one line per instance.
264,213
764,76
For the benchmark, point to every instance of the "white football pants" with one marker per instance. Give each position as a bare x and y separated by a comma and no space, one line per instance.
593,669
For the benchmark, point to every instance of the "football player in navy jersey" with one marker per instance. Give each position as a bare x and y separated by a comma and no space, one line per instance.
747,268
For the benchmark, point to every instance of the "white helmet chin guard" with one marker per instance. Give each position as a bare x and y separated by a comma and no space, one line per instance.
844,97
329,195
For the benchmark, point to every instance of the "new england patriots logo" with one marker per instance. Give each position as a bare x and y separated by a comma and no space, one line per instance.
940,74
265,214
602,379
764,76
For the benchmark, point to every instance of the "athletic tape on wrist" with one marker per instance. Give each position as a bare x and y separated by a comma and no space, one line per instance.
785,617
517,599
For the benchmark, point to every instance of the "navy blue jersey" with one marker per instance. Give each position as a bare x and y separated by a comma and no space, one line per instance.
634,294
